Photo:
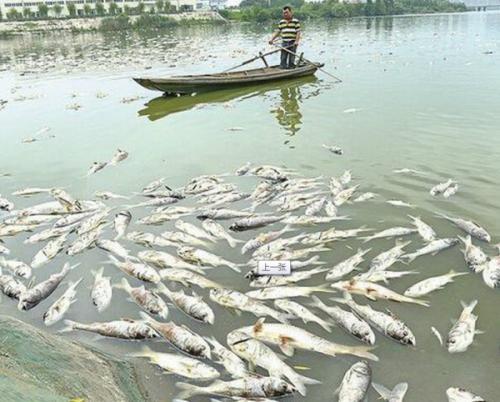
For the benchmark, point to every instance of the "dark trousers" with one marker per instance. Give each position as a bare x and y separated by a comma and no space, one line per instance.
288,59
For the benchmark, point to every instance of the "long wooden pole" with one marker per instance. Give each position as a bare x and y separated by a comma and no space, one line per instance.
260,56
307,61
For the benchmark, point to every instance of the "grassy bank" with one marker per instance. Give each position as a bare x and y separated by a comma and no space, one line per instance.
149,22
259,10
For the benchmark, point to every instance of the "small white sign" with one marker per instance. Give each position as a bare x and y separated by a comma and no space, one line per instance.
274,268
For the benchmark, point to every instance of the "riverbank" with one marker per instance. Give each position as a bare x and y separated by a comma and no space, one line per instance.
38,366
8,28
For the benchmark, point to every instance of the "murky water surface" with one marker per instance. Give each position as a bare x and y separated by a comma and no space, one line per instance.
418,92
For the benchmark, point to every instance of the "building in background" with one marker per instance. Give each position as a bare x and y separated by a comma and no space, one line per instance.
59,8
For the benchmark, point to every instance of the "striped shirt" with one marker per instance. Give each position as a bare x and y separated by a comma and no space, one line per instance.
289,29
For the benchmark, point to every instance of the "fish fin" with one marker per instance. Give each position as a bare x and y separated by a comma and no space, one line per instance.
189,390
285,346
399,391
362,351
384,392
258,325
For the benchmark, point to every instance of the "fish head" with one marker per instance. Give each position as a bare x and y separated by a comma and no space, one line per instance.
23,304
403,334
362,369
460,394
456,344
252,274
367,336
278,387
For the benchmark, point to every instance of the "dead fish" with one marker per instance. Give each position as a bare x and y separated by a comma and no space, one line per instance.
289,337
180,336
430,284
33,296
17,267
470,227
193,306
491,274
180,365
146,299
450,191
392,232
10,286
119,156
299,311
441,187
50,251
433,248
123,329
247,387
96,166
221,214
260,355
333,149
217,230
355,383
424,230
475,258
202,257
102,290
455,394
30,191
108,195
137,270
399,203
57,310
193,230
187,278
5,204
462,333
121,222
254,222
113,247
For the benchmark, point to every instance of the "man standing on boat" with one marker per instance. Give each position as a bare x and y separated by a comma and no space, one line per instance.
289,30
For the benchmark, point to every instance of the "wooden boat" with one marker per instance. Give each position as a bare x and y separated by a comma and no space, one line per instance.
187,84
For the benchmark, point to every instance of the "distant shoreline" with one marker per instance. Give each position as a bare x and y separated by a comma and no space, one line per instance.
15,28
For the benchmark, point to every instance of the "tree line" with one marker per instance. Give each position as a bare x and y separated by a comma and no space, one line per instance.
266,10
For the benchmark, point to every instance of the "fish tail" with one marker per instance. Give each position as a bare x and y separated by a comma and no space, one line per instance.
454,273
465,240
73,285
235,267
324,324
360,351
300,381
188,390
70,326
419,302
124,285
470,307
316,302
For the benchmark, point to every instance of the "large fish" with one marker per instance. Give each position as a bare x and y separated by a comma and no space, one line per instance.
57,310
180,336
49,251
123,329
385,323
433,247
375,291
475,258
347,266
254,222
192,306
121,222
187,278
17,267
348,321
231,362
146,299
462,333
355,383
237,301
424,230
289,337
218,231
469,227
248,387
258,354
387,258
392,232
42,290
430,284
102,291
204,258
298,311
10,286
138,270
177,364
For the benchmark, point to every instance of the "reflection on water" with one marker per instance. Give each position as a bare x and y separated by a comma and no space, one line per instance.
291,94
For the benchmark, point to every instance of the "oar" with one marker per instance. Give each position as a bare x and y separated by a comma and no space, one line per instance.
307,61
260,56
